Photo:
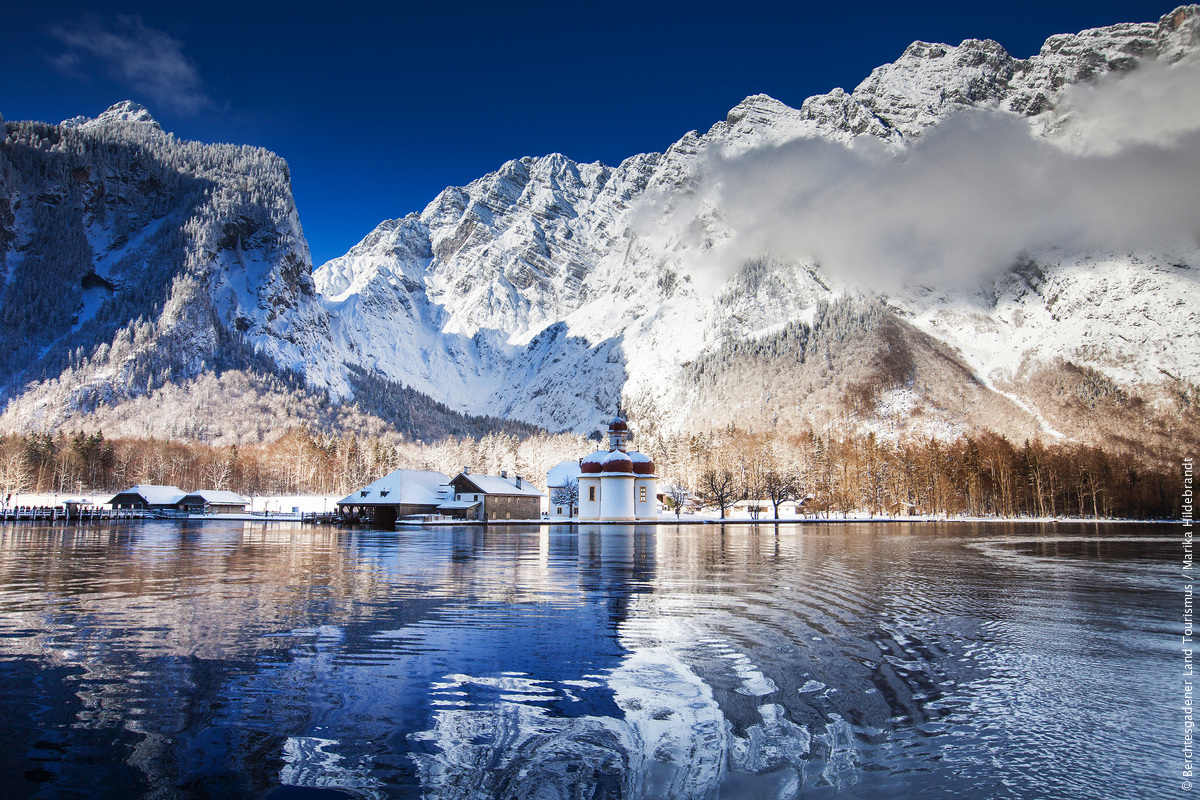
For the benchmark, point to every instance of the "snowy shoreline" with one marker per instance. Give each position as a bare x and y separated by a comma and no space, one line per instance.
693,520
290,508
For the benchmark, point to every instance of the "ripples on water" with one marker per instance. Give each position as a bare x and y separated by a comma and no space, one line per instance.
163,660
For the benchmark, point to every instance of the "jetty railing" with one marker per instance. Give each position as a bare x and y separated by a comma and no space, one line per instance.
82,513
63,513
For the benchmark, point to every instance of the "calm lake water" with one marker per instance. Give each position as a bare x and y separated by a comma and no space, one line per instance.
168,660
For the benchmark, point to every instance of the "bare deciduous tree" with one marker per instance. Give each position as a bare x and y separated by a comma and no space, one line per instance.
779,486
718,487
676,496
566,495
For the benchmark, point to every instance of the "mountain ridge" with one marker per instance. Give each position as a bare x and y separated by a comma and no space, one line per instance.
503,212
551,291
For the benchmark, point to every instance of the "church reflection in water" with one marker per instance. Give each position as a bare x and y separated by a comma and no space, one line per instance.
549,661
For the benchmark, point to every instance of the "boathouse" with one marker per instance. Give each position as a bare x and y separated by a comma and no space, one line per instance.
213,501
148,497
402,493
493,497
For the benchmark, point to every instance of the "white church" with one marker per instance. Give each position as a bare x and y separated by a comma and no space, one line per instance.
615,485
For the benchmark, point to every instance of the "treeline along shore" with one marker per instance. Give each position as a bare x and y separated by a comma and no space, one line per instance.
985,475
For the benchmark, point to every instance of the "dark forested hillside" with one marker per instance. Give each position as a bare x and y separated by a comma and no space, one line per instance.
112,237
159,286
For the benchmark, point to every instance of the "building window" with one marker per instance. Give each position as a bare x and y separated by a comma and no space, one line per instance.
591,494
643,495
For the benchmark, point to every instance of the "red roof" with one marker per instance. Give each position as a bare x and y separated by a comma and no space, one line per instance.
593,463
642,463
617,462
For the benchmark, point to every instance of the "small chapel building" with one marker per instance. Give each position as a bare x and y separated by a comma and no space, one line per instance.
617,484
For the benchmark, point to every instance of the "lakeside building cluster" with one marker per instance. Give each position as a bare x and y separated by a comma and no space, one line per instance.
614,484
152,497
467,496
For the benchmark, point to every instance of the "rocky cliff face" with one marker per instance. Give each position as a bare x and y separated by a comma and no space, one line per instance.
548,290
985,211
132,259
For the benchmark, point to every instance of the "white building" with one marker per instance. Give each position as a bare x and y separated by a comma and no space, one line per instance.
559,481
617,484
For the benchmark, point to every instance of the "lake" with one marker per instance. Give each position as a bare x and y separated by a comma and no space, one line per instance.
217,660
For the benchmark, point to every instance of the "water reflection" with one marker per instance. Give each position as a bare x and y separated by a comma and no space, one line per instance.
165,660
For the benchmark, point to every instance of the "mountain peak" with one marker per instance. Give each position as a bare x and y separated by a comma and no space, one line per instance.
1179,31
123,112
757,105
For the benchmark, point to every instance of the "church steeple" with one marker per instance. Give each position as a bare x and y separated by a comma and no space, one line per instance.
618,434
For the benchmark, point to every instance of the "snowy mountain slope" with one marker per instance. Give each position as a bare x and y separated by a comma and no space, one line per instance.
548,289
133,259
142,275
1013,229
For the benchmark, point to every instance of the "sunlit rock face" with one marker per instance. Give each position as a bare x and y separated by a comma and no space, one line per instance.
546,283
1023,221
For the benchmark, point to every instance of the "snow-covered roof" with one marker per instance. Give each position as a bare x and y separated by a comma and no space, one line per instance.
458,505
497,484
562,472
155,495
220,497
407,486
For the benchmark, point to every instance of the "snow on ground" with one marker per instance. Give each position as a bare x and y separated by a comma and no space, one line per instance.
303,504
318,504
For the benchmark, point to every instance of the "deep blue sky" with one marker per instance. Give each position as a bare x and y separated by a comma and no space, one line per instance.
377,107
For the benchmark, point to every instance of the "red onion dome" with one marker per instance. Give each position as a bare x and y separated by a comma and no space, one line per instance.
642,463
617,462
594,463
617,424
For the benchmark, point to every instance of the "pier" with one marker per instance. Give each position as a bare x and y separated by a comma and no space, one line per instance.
69,512
72,512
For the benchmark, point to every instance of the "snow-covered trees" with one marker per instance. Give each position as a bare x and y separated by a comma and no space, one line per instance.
109,237
675,498
984,475
977,476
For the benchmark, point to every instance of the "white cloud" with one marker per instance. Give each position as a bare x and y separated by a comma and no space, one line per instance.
1158,103
1121,172
146,60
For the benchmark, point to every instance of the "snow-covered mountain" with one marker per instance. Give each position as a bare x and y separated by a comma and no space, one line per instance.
133,261
160,287
549,289
965,240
